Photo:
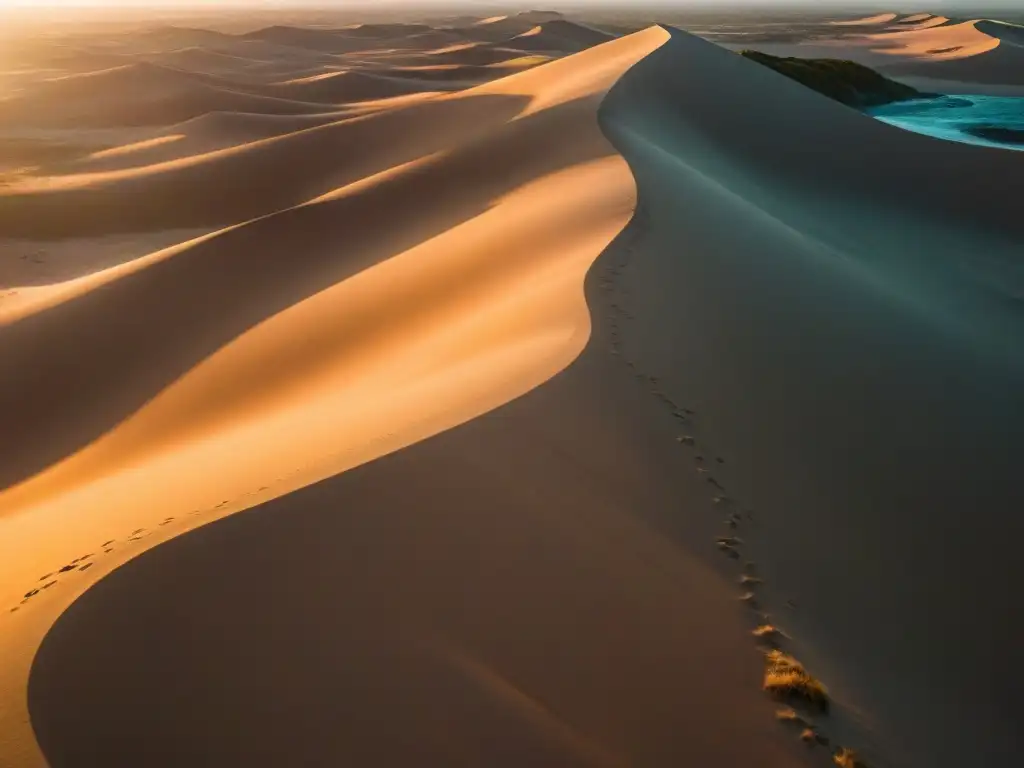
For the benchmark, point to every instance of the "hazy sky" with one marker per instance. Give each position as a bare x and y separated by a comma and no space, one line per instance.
853,5
917,5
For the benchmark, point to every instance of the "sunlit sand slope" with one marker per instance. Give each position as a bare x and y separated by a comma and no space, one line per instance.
521,596
441,281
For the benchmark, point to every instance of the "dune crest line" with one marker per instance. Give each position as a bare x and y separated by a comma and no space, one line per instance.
515,590
416,339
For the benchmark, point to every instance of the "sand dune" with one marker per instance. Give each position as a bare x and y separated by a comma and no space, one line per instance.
384,31
488,372
347,86
922,21
915,18
501,28
972,51
1010,34
558,35
209,133
205,189
955,41
476,299
935,55
884,390
363,37
323,40
138,94
208,61
881,18
276,54
478,54
169,38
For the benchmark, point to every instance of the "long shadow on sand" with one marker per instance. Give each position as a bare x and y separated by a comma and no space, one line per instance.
863,374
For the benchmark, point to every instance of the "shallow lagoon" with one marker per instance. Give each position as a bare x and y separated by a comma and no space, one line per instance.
993,121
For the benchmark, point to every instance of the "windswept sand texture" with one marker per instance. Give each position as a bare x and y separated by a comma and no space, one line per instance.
494,389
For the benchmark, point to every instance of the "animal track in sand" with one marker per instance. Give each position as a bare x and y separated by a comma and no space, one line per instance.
784,675
847,758
79,564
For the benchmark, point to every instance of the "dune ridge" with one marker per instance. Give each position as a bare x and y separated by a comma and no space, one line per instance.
932,53
429,420
483,323
896,285
975,51
866,21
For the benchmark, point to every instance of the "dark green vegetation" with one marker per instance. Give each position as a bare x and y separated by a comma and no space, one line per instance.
845,81
997,133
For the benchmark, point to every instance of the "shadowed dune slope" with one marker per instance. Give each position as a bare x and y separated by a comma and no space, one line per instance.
137,360
867,21
342,87
171,37
975,51
1010,34
323,40
559,35
207,61
199,136
138,94
512,592
842,301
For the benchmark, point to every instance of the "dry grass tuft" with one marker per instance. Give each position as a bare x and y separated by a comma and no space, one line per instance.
791,716
729,550
768,633
786,678
847,758
812,738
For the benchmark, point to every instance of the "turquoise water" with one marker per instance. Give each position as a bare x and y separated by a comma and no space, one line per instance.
955,117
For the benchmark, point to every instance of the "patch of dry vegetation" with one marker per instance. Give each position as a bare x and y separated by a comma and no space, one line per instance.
786,678
790,716
768,633
847,758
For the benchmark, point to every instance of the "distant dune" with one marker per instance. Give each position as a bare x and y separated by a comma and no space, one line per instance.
140,95
953,41
559,35
930,52
971,51
1009,34
867,21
